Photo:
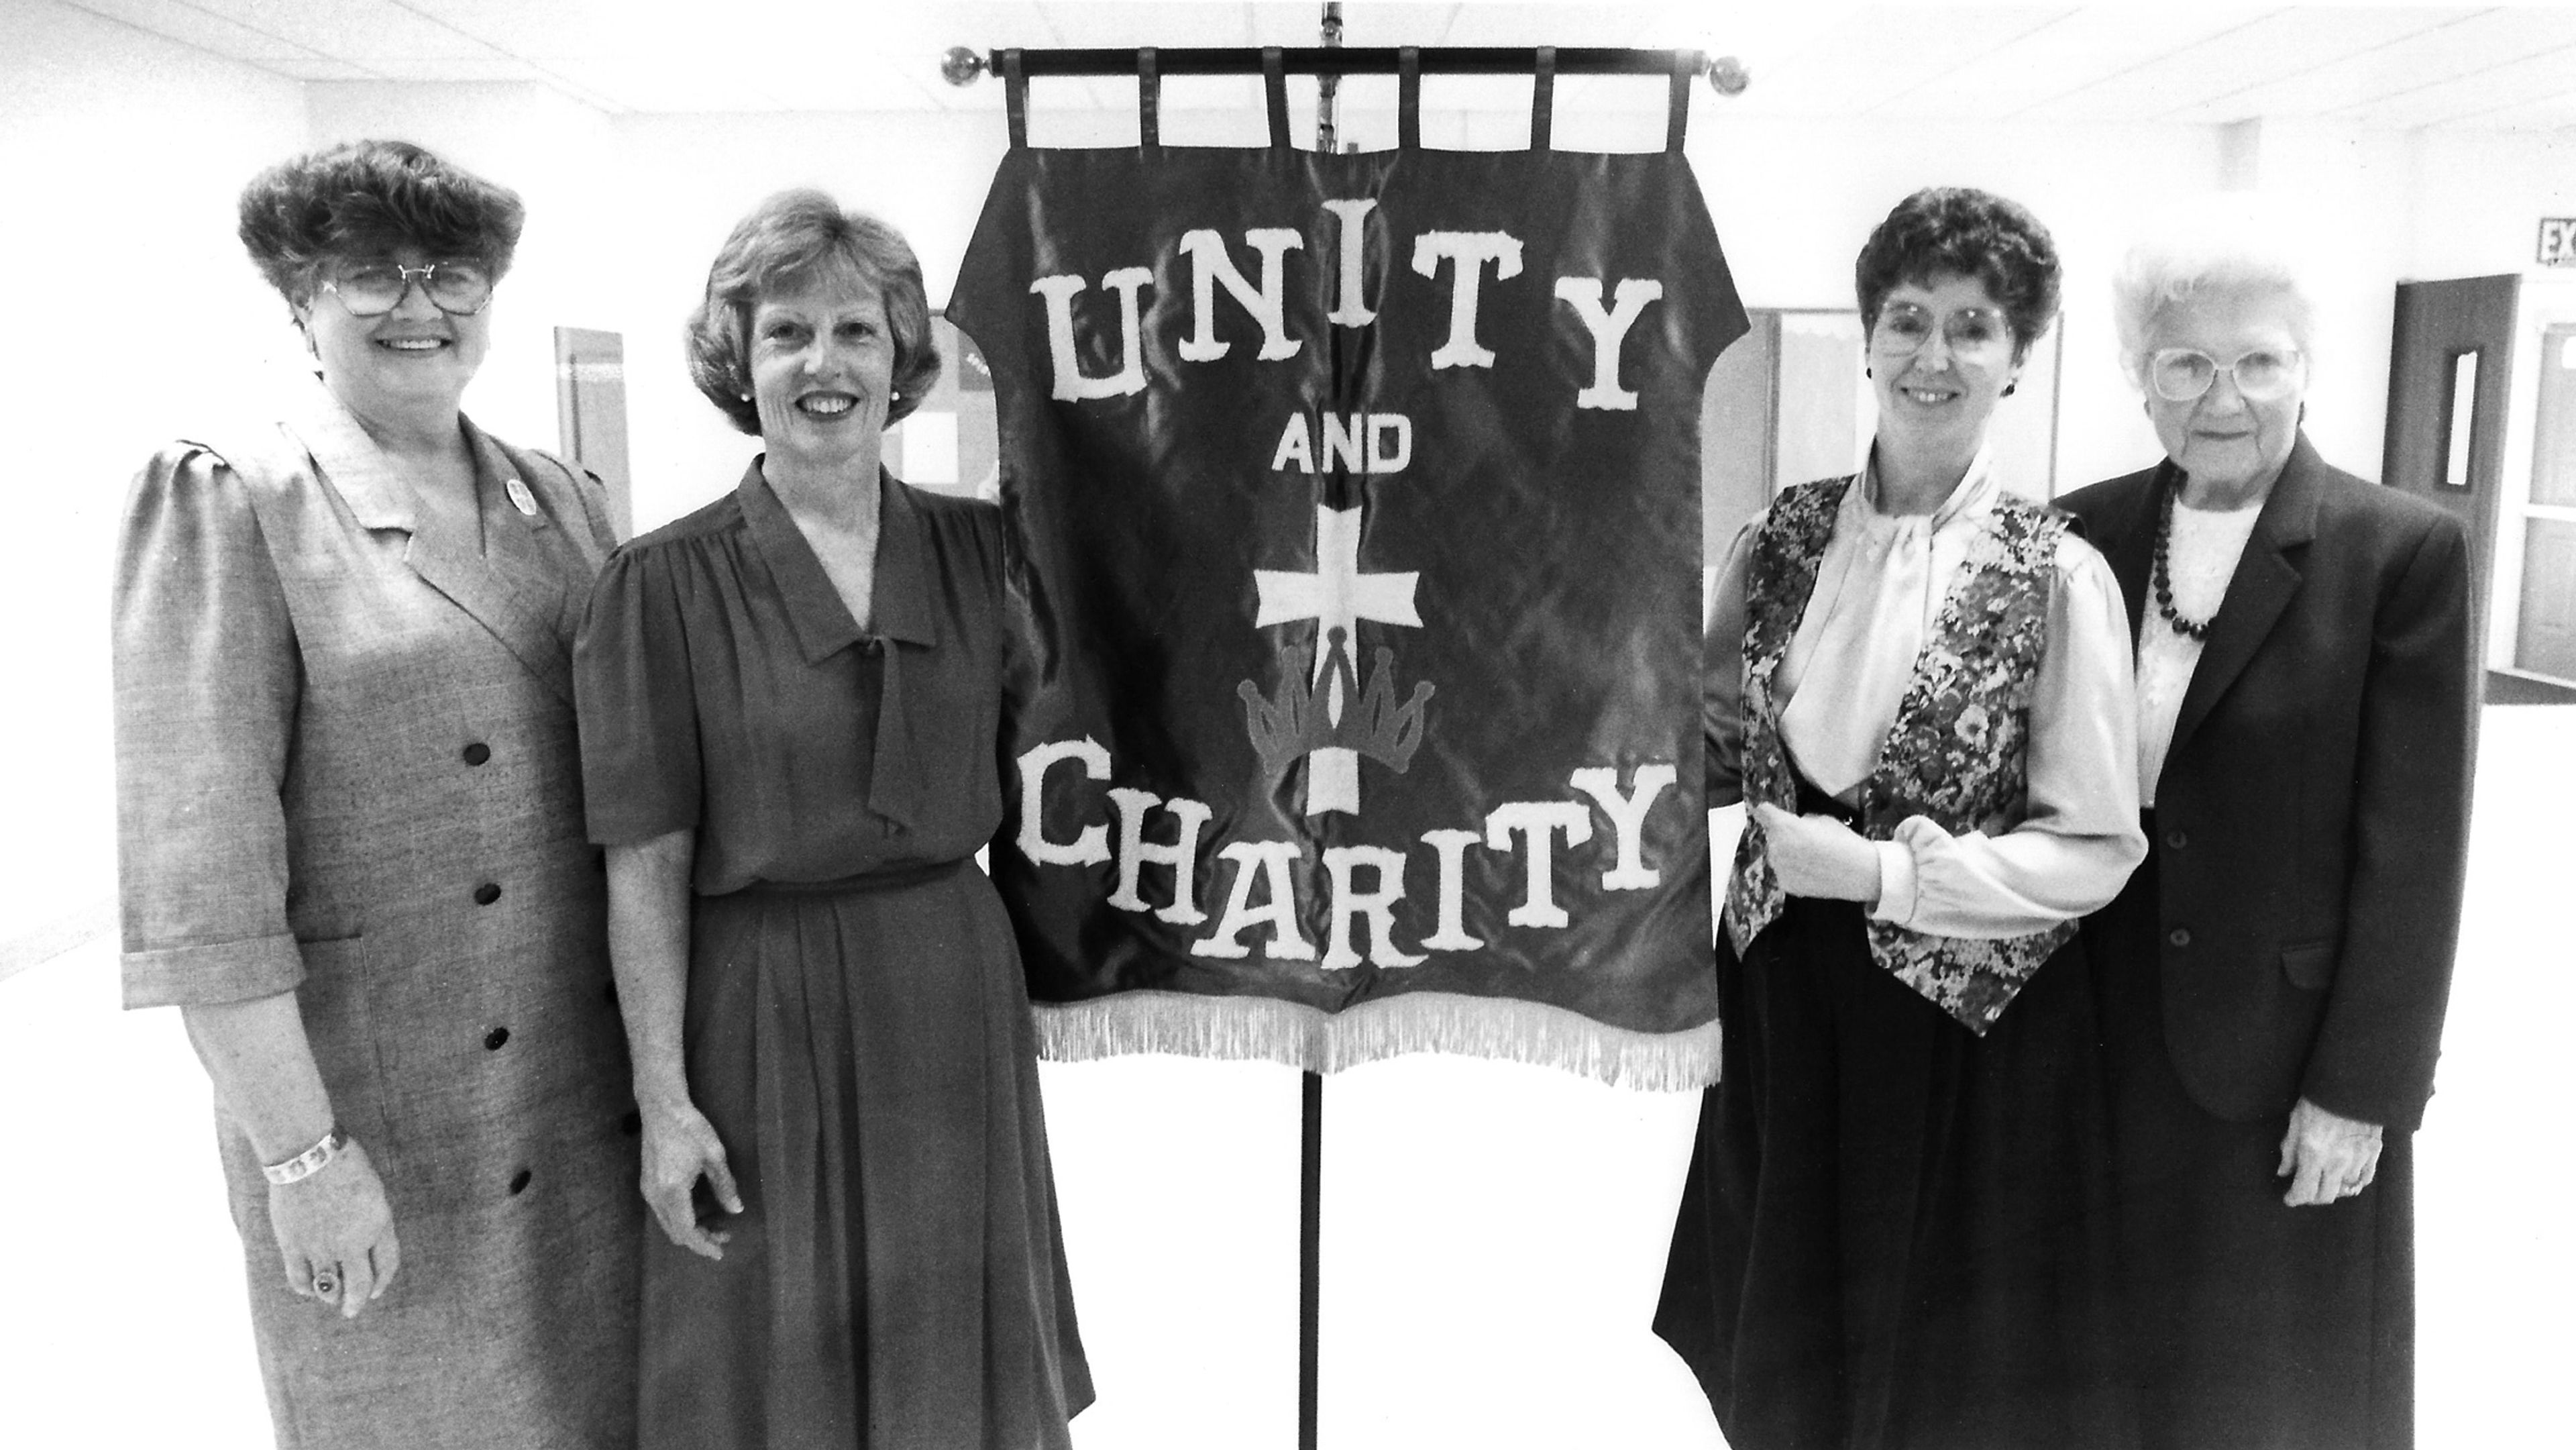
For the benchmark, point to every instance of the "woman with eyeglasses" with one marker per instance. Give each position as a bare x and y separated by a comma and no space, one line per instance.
1895,1231
351,843
2275,974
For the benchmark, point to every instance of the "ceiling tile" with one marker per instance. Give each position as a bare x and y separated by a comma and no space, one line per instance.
2267,47
349,29
2533,78
2066,54
2474,41
189,25
316,69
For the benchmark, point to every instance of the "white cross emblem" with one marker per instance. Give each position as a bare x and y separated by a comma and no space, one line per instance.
1336,596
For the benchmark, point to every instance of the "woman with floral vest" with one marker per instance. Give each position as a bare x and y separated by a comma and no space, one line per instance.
1896,1229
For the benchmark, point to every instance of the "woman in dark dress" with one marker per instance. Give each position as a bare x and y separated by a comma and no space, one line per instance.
1895,1229
790,707
2275,974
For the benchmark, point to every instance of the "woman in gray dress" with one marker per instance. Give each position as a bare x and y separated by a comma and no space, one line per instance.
792,708
350,846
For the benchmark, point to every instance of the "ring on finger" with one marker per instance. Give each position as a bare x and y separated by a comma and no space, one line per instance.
326,1282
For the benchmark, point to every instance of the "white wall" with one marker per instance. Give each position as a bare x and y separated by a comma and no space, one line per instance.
132,315
133,149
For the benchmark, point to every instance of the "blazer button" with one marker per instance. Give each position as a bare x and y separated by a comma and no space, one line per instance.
494,1040
2179,936
477,753
518,1182
2177,839
486,894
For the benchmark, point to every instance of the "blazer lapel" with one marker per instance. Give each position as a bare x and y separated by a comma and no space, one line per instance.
2128,542
2266,578
445,555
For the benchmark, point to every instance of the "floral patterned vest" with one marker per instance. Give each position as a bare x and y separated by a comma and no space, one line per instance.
1955,752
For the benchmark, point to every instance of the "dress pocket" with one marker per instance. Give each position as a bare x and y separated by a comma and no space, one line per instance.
2309,964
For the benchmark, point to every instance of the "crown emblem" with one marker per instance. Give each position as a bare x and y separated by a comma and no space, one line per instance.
1300,719
1324,713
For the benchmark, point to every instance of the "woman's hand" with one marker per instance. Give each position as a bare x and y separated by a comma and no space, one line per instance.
1818,856
335,1233
2327,1157
680,1147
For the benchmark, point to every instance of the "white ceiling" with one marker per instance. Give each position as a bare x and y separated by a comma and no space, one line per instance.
2393,67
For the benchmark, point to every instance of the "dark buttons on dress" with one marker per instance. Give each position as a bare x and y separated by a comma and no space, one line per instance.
486,894
2177,838
518,1182
496,1039
477,753
2179,936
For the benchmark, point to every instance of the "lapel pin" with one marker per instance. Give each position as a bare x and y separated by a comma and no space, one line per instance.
523,500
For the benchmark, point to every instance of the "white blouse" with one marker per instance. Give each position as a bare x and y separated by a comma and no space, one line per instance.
2202,556
1879,589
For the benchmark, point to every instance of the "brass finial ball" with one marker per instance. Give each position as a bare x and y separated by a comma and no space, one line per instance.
962,65
1727,76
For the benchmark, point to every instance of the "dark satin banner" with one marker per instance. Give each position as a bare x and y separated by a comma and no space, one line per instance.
1362,496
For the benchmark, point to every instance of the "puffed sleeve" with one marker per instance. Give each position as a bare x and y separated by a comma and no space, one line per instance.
636,700
207,680
1722,674
2079,840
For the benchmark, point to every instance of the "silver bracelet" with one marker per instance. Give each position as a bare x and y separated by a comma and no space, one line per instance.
309,1162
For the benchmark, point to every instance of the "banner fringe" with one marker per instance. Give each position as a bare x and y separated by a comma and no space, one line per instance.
1264,1029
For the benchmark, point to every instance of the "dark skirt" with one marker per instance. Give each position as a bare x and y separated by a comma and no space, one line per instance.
1897,1233
2258,1326
897,1278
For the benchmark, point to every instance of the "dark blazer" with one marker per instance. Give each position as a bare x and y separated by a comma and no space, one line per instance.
2312,818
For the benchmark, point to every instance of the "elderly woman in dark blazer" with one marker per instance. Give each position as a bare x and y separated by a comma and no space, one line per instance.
2275,973
350,836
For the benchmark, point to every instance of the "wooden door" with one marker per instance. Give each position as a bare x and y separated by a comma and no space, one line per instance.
590,414
2545,641
2449,375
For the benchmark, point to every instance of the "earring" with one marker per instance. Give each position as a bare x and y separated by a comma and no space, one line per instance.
2008,389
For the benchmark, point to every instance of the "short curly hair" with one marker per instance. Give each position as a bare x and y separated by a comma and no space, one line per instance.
1959,230
790,241
366,199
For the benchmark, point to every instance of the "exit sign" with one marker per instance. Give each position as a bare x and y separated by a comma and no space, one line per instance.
2558,241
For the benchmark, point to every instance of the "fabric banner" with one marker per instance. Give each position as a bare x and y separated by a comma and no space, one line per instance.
1361,499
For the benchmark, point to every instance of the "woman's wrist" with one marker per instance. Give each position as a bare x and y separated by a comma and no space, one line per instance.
303,1165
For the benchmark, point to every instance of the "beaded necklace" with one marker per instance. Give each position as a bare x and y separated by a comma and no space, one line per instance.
2197,629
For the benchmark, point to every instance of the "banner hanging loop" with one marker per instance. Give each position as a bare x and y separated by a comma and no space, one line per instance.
1686,64
1149,100
1543,98
1015,99
1274,92
1408,99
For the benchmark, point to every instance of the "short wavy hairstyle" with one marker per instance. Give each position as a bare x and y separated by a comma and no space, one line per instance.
1959,230
2220,246
789,242
370,199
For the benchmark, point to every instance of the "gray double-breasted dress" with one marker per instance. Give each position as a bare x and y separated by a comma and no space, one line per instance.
347,768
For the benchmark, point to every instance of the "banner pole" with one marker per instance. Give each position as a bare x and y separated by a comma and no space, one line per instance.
1310,1098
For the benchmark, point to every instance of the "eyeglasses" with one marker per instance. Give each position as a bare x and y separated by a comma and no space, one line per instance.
372,289
1977,334
2180,374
